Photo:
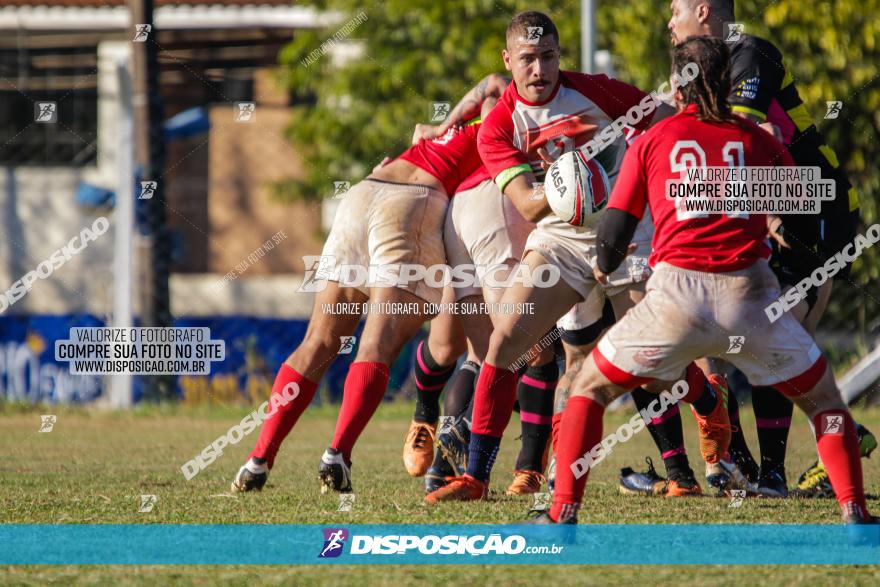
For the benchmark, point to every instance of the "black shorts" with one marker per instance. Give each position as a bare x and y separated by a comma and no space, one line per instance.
590,333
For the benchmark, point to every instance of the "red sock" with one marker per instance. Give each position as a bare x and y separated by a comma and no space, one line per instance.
555,424
276,428
838,447
363,392
696,381
580,431
493,400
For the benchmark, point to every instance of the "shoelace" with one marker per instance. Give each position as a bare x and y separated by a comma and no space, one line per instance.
422,434
531,478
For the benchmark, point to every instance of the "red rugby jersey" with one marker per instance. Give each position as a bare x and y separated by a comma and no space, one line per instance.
703,242
451,158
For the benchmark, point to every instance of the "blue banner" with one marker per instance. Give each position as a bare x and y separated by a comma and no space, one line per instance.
255,348
422,544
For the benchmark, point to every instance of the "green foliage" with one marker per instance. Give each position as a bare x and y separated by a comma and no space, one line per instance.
416,52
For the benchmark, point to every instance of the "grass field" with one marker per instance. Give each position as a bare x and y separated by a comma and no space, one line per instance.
93,467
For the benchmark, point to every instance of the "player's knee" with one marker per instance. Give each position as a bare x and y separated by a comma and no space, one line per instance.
446,352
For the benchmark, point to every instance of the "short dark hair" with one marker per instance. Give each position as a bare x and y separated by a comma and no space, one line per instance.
710,89
724,8
522,22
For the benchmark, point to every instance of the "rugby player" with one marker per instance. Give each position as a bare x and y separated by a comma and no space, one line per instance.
542,114
711,278
391,219
482,229
763,90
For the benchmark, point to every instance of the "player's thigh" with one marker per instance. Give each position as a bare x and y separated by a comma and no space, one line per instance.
624,298
592,383
336,314
515,332
396,315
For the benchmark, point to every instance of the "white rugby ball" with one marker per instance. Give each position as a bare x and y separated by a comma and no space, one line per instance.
576,187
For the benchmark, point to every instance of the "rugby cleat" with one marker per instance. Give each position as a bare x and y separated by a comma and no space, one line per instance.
635,483
334,472
438,474
867,441
814,481
453,444
772,484
725,475
543,519
251,477
418,448
525,483
715,428
863,529
465,488
682,484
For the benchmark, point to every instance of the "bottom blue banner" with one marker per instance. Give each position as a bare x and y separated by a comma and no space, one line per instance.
120,544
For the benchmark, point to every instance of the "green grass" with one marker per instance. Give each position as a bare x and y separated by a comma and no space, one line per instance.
93,467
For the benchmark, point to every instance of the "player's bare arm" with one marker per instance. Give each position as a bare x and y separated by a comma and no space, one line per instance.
522,191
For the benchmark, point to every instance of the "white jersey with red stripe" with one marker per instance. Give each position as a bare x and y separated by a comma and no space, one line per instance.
580,108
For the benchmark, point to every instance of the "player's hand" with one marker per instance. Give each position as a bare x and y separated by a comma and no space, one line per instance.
772,129
546,160
776,231
429,132
603,277
384,162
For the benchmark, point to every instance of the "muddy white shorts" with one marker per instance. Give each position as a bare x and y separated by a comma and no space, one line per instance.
483,228
690,314
381,226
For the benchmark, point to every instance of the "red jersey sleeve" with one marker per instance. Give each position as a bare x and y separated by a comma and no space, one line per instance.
495,144
630,192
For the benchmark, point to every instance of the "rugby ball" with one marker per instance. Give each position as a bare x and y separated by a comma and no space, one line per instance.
576,187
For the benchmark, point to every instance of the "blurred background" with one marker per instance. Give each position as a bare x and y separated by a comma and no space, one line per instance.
217,137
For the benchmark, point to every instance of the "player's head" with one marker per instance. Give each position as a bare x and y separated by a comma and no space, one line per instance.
698,17
532,55
710,88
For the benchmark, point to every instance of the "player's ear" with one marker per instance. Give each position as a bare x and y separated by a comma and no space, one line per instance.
505,56
703,13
